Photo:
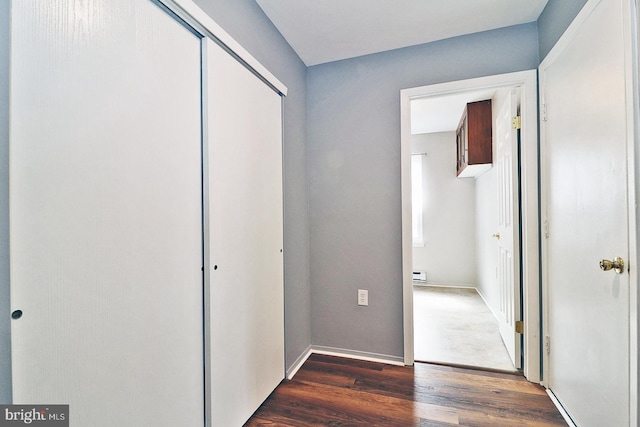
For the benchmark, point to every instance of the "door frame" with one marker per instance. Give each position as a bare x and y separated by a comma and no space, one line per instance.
630,9
527,80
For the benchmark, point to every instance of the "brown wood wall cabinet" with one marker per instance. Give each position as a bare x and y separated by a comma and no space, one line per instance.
473,140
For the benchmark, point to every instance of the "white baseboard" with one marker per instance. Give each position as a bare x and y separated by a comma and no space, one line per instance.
340,352
444,285
488,305
298,363
561,409
359,355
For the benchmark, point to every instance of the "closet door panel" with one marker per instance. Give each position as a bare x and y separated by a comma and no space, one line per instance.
106,212
245,238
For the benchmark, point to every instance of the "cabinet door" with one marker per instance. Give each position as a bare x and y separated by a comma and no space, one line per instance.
475,134
245,239
106,234
478,129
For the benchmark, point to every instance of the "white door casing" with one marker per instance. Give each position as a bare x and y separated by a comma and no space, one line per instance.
526,80
587,135
244,249
106,213
506,137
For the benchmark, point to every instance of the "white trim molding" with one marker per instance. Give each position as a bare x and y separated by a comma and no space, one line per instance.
359,355
633,11
561,409
188,11
347,354
299,362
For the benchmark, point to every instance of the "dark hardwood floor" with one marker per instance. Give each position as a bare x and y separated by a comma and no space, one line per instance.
333,391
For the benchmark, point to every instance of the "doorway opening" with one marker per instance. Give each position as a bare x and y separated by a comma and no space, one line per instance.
459,300
454,326
461,252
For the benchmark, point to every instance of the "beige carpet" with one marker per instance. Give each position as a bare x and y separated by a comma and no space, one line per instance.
455,326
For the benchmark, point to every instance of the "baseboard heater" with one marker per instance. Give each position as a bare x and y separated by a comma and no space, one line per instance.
420,276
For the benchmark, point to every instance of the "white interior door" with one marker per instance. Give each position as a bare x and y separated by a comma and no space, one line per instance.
508,213
106,212
245,239
585,139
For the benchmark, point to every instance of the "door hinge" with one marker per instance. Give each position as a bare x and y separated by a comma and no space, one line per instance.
543,111
545,228
516,122
547,344
520,326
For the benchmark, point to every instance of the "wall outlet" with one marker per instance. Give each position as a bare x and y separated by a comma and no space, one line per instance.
363,297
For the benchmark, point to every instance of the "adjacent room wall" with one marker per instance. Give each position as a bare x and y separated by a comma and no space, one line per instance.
449,214
247,24
554,20
487,221
354,176
486,246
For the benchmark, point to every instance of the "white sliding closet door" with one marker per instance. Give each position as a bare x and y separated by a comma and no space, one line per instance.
106,216
245,258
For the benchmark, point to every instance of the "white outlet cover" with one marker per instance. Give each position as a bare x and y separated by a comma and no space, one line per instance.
363,297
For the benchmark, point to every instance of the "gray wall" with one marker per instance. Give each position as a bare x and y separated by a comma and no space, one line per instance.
354,176
245,21
554,19
5,323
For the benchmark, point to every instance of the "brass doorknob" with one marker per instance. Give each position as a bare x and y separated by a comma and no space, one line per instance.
617,265
497,236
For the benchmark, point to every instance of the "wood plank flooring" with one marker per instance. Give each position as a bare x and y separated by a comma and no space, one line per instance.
333,391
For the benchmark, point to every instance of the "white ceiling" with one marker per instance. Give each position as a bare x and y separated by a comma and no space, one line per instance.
442,114
328,30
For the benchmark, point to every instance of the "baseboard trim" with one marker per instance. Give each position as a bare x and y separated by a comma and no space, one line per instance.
298,363
561,409
488,305
341,352
443,285
360,355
